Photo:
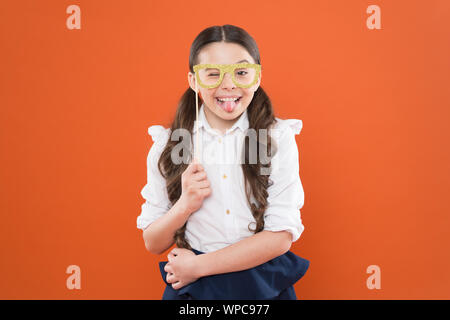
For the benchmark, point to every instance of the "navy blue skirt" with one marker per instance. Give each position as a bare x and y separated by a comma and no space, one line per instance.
272,280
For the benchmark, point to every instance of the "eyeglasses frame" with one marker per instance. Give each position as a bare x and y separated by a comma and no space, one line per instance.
224,68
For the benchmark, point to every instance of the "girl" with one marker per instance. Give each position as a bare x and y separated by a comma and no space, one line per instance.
233,224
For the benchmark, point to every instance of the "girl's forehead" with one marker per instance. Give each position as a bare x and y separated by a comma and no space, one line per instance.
223,53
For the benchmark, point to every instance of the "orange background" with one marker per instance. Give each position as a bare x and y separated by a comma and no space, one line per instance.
374,157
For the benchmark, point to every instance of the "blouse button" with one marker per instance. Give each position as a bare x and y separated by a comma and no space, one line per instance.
220,140
224,176
228,211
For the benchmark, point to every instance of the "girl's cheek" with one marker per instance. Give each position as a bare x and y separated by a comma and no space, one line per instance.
248,95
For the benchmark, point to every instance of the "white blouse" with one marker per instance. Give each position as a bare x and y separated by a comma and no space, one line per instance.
225,215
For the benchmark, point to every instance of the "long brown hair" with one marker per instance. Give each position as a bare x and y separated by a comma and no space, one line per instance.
260,116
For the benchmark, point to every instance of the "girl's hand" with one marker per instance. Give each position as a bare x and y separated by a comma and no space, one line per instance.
182,268
195,187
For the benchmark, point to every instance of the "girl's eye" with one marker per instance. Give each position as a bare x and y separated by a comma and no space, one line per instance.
213,75
242,73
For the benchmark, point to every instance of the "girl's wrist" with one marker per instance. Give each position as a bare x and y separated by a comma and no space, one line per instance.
202,265
182,207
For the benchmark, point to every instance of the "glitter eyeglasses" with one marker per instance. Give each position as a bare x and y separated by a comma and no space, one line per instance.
243,75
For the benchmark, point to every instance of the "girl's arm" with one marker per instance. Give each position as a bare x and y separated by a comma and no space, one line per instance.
245,254
158,236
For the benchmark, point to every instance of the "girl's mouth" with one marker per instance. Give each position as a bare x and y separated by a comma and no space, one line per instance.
228,104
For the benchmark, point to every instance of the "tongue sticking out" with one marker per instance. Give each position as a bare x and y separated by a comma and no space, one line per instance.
228,106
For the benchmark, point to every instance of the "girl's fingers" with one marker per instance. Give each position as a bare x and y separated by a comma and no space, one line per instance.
199,176
177,285
170,256
168,268
171,278
201,184
206,192
197,164
194,167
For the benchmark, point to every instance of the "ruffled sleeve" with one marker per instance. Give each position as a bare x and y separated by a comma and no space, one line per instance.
154,192
286,195
295,125
159,134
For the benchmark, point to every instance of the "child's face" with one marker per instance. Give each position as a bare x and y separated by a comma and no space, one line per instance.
225,53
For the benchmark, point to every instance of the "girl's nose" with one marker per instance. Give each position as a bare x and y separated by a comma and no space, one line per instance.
227,81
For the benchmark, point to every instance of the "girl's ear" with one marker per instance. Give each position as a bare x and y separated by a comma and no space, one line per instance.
191,80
